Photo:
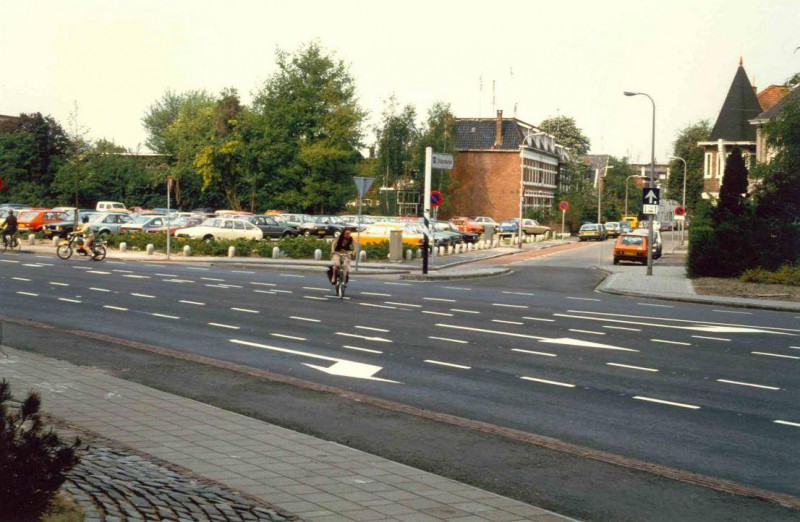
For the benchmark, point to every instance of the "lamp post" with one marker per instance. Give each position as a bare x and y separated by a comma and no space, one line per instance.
650,181
683,201
626,190
599,189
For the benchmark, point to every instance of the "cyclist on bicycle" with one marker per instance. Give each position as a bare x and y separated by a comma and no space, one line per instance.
340,250
10,226
87,232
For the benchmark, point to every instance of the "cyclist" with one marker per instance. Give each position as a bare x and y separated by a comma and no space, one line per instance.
10,226
87,232
340,250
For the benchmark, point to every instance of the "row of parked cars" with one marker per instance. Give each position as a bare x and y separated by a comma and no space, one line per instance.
631,244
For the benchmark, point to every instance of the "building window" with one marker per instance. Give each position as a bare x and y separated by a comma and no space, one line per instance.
707,165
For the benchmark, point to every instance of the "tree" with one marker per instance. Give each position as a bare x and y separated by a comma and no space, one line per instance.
734,185
793,80
163,114
438,133
567,133
398,148
685,147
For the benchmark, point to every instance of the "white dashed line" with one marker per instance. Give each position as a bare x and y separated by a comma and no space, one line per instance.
99,289
376,294
264,292
540,319
464,311
449,365
167,275
123,271
544,381
245,310
642,368
496,332
623,328
403,304
378,306
165,316
437,313
283,291
262,284
439,299
583,299
144,295
289,337
69,300
29,294
314,297
787,423
730,312
586,331
212,279
98,272
118,308
775,355
178,281
376,339
20,279
795,347
748,384
315,288
670,342
58,284
655,305
224,326
196,268
518,293
241,272
373,329
710,338
291,275
509,305
304,319
506,322
546,354
8,261
192,303
668,403
397,284
136,276
458,288
361,349
448,340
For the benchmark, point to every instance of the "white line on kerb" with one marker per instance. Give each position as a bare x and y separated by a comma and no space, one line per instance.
361,349
540,319
633,367
304,319
546,354
710,338
506,322
192,303
450,365
545,381
509,305
776,355
115,308
373,329
224,326
165,316
586,331
289,337
670,342
144,295
748,384
668,403
245,310
787,423
449,340
28,293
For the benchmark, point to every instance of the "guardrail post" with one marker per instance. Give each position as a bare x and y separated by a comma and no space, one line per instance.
418,253
31,239
56,240
409,254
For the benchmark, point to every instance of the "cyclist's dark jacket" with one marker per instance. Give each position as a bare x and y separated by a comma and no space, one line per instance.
11,225
344,244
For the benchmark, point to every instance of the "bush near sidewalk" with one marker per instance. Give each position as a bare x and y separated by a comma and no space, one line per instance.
33,463
785,275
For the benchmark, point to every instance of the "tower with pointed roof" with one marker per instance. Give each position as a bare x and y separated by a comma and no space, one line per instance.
732,129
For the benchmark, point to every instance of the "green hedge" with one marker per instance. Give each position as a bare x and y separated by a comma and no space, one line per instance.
702,257
785,275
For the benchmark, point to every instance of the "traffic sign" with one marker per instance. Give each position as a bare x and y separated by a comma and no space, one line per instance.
436,198
363,184
651,196
650,209
564,205
680,211
441,161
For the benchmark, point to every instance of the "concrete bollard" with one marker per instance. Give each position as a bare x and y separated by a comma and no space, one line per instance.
123,247
32,239
418,253
450,250
150,249
442,251
409,254
56,240
362,256
276,252
231,251
318,255
187,251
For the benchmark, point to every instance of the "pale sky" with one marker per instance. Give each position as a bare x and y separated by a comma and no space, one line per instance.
575,58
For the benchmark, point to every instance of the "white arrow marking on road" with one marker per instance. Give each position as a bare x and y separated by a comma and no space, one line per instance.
586,344
772,329
342,367
701,328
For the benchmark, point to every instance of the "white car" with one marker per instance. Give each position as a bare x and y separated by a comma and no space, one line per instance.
222,228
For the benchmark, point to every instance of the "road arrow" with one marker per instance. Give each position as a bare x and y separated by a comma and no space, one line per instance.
585,344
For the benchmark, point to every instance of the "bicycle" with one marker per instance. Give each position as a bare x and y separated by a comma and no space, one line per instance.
10,241
65,248
342,277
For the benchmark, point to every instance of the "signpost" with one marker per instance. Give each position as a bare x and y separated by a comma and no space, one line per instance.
441,161
362,185
432,161
169,232
650,200
680,215
564,206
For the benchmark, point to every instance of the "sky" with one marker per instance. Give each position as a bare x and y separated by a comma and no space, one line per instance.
114,59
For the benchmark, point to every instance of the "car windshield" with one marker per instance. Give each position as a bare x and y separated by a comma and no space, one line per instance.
213,222
631,240
27,216
509,223
94,218
589,227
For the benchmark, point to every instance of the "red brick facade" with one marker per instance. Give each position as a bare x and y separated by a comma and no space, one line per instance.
486,183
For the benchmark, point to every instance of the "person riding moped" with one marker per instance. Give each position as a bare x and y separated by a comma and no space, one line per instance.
341,248
87,232
10,226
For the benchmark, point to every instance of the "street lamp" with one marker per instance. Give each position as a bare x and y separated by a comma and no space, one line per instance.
683,201
650,182
626,190
599,190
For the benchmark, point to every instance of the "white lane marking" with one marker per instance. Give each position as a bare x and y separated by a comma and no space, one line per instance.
213,279
397,284
748,384
795,347
20,279
787,423
506,322
373,329
224,326
292,337
192,303
116,263
698,327
316,288
165,316
315,298
241,272
586,331
291,275
283,291
361,349
642,368
196,268
518,293
167,275
711,338
539,319
98,272
376,293
509,305
99,289
143,295
58,284
670,342
546,354
704,325
119,308
158,266
264,292
583,298
464,311
623,328
439,299
8,261
262,284
82,267
132,276
776,355
403,304
449,365
34,265
69,300
545,381
123,271
177,280
378,306
448,339
496,332
668,403
457,288
28,293
437,313
376,339
245,310
730,312
304,319
585,344
227,285
656,305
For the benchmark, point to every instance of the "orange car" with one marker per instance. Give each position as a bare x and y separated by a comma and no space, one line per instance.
466,224
630,247
33,220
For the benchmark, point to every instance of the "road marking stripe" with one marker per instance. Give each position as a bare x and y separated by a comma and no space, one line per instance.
143,295
136,276
450,365
748,384
662,319
545,381
397,284
373,329
442,325
439,299
623,328
403,304
376,339
583,298
28,293
305,319
224,326
361,349
509,305
8,261
69,300
730,312
518,293
669,403
376,293
262,284
586,331
241,272
122,271
449,340
776,355
165,316
656,305
99,272
457,288
795,347
82,267
546,354
317,288
292,337
20,279
283,291
670,342
464,311
212,279
192,303
540,319
633,367
167,275
316,298
99,289
506,322
787,423
246,310
115,308
291,275
58,284
437,313
264,292
177,280
378,306
710,338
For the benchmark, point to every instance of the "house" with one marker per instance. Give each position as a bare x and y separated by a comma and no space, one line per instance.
763,153
502,163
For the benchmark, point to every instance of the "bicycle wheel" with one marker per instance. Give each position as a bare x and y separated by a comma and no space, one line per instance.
340,289
15,244
99,253
64,251
4,244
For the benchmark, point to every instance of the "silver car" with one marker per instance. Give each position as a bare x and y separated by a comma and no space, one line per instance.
108,222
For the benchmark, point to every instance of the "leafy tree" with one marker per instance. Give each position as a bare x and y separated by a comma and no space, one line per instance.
734,185
685,147
398,148
613,202
163,114
567,133
793,80
439,133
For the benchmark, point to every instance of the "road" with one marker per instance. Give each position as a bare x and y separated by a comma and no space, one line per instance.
709,390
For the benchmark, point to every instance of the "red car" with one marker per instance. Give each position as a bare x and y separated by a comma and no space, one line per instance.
466,224
33,220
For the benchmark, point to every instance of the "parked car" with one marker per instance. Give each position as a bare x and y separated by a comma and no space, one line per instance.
447,226
64,227
109,222
465,224
110,206
292,220
631,247
222,228
34,220
482,221
530,227
173,223
625,227
356,222
321,226
271,228
612,228
137,222
658,244
592,231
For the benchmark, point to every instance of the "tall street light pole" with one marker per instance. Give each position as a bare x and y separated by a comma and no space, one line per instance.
683,201
599,187
650,181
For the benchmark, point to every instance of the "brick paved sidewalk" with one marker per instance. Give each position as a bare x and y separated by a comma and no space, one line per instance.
299,474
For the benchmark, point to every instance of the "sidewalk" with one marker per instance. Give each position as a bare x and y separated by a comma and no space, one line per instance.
284,475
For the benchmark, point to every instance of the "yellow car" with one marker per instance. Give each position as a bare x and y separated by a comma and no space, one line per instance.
377,232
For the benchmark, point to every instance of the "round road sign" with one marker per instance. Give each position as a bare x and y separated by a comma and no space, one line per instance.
563,205
436,198
680,211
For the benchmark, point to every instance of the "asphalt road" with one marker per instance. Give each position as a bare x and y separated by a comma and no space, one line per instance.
705,389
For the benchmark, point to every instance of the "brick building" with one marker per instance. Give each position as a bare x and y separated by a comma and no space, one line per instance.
763,153
497,159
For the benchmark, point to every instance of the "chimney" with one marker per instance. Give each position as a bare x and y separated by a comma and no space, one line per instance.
498,130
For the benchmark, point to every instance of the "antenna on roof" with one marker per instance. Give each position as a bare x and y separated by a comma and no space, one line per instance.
480,94
493,100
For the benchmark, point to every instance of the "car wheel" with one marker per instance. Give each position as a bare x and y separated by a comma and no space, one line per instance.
208,238
616,261
287,234
337,233
307,233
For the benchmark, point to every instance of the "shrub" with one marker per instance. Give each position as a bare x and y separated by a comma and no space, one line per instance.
303,247
32,463
785,275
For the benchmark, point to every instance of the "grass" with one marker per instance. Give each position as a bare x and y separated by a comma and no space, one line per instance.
64,510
